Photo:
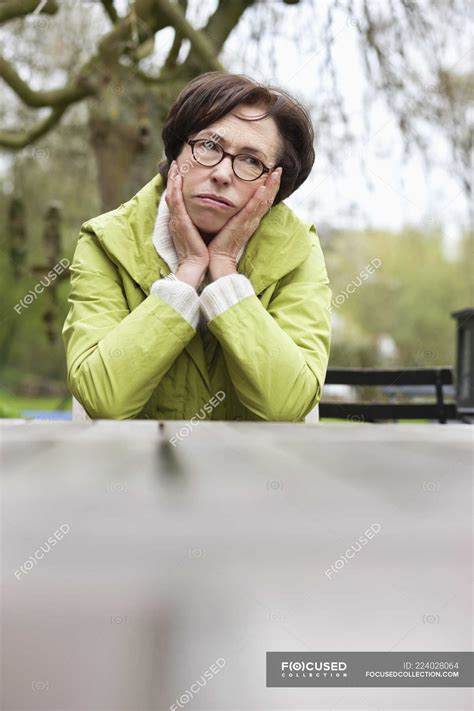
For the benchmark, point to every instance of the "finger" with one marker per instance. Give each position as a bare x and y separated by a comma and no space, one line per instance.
271,188
172,175
170,184
178,190
176,182
179,208
273,181
254,208
271,185
265,196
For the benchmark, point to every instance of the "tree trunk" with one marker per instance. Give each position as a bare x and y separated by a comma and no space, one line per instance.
125,123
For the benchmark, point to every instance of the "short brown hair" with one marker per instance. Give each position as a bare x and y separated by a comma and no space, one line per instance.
212,95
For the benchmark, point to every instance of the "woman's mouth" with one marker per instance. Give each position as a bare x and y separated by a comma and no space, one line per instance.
213,203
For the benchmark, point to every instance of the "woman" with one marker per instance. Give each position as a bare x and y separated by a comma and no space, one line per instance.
204,295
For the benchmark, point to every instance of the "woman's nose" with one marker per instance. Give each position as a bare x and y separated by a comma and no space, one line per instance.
223,171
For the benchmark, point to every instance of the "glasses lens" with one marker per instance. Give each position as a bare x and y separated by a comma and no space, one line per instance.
207,152
248,167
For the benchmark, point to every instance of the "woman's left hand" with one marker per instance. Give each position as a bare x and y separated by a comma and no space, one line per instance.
225,246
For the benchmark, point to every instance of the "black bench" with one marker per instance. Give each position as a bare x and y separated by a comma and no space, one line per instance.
373,411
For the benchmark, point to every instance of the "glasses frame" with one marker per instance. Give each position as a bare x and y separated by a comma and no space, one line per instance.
232,156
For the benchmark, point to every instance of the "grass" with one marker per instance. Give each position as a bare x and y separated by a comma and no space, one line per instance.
13,405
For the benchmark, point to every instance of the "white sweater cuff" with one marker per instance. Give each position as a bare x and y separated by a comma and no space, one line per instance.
223,293
181,296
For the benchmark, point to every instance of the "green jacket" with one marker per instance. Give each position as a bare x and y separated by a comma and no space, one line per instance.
132,355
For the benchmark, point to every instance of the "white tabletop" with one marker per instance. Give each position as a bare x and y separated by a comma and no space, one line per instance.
221,548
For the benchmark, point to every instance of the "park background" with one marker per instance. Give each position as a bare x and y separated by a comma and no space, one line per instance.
85,86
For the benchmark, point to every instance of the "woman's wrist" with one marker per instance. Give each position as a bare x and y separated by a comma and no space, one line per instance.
221,267
192,274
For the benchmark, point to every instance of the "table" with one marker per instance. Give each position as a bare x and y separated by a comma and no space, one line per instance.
170,560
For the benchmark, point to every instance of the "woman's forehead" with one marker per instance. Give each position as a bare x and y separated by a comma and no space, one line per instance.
258,135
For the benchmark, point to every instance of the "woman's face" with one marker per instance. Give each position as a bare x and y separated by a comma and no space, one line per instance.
258,138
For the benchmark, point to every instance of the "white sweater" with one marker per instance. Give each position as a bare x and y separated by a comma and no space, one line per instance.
196,306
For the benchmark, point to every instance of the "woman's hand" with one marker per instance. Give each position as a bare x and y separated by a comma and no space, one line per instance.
225,246
193,257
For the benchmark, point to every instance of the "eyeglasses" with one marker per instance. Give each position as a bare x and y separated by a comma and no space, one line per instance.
209,153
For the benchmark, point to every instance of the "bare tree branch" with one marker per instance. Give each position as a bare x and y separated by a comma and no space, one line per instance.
110,10
219,26
19,139
148,79
224,20
119,40
152,16
11,9
171,59
53,97
202,45
390,35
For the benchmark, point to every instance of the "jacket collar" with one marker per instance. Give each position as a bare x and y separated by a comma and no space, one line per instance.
135,237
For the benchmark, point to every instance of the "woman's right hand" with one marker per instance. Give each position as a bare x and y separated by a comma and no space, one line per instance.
193,256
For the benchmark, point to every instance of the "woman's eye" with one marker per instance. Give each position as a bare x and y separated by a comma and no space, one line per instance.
252,161
210,146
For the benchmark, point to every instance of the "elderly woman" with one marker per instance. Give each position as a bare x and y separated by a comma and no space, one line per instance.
204,295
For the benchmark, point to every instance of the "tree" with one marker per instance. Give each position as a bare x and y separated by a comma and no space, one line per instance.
127,104
402,286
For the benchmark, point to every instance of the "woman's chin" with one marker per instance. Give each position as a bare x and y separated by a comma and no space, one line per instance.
207,225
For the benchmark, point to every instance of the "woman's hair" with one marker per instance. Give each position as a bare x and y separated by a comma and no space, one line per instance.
212,95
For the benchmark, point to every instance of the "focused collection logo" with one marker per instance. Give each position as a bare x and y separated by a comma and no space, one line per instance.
313,668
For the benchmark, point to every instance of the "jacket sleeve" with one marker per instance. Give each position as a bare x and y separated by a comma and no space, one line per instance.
181,296
115,357
277,357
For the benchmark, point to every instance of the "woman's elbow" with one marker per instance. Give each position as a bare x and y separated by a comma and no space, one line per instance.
99,402
289,406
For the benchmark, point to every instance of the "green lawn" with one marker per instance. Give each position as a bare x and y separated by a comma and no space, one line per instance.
12,405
